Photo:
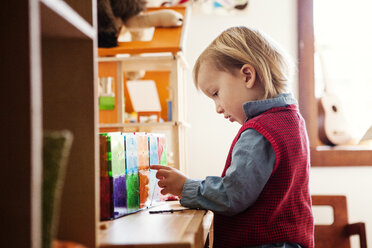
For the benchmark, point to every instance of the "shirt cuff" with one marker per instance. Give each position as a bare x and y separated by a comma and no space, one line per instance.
190,193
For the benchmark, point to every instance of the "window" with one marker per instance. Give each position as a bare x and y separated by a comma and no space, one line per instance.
343,58
335,51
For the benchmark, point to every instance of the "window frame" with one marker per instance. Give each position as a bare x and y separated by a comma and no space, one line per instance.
321,155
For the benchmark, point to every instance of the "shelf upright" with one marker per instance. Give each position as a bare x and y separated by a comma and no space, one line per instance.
69,93
21,124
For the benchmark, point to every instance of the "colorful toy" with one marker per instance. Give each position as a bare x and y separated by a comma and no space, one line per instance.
132,167
127,184
144,173
112,176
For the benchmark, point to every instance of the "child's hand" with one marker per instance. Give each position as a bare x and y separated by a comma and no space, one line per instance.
170,179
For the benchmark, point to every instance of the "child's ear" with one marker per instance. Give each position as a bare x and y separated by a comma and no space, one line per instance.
249,75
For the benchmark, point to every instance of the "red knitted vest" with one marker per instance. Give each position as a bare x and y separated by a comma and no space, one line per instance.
282,212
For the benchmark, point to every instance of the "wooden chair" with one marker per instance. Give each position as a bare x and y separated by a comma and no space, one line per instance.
337,234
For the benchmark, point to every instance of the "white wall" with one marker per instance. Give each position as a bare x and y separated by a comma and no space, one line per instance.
210,135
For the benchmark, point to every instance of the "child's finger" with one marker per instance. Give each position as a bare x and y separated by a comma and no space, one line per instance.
162,174
159,167
161,184
164,191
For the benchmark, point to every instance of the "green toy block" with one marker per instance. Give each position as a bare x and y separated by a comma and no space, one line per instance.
106,102
163,158
133,199
117,154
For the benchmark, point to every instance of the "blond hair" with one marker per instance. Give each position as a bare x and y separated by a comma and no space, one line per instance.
237,46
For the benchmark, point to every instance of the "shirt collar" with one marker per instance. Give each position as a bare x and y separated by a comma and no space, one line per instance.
255,108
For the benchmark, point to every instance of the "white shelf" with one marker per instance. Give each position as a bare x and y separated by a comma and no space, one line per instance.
150,124
147,60
59,20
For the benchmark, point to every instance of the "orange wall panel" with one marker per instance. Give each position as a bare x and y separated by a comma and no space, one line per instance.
108,69
161,78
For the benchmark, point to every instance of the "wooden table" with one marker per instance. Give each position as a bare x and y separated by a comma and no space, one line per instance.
187,228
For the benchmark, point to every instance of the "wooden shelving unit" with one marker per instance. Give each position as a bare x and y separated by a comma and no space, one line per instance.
320,155
49,71
48,61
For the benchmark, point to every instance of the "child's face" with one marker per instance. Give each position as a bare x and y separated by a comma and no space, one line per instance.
229,90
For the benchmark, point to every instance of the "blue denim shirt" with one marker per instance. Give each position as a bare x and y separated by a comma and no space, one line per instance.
252,163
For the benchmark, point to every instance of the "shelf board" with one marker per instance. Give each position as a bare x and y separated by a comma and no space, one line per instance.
148,61
153,57
324,156
164,40
150,124
144,230
59,20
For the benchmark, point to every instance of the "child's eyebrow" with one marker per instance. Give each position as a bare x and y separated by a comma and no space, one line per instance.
206,92
211,88
210,91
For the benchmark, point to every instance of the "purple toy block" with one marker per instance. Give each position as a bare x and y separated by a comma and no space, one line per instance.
119,196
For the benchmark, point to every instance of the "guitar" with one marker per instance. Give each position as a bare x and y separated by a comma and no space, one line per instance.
333,128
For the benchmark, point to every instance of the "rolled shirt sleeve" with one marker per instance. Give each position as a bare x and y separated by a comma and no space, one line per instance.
253,160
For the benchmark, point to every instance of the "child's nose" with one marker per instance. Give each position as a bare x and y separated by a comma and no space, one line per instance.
219,109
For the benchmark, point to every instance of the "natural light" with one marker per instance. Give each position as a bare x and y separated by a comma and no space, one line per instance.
343,58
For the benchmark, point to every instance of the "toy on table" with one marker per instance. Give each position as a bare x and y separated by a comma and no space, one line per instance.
144,173
126,182
132,167
112,176
105,186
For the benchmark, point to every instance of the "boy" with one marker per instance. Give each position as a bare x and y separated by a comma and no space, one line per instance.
262,198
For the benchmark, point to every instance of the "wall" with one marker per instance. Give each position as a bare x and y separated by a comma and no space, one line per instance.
207,147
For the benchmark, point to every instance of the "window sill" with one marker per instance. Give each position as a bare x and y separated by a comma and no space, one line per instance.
326,156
